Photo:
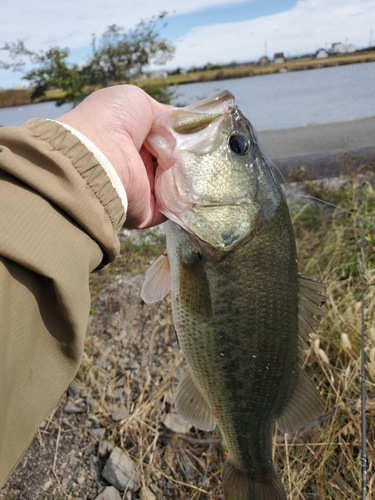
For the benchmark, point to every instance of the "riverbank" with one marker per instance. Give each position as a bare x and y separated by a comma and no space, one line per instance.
320,150
20,97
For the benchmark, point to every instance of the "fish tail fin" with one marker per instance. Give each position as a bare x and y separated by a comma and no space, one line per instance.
240,486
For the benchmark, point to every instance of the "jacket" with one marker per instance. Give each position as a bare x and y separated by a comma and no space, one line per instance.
59,218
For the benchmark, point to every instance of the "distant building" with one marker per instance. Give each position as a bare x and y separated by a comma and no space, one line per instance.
279,58
264,60
341,48
140,76
321,54
159,74
338,48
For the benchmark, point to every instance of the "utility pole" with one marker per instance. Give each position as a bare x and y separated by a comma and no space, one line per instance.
370,43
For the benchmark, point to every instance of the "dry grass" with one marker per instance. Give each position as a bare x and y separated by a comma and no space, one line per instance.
16,97
325,462
322,462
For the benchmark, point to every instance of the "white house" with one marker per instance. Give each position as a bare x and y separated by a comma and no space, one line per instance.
159,74
338,48
321,54
279,58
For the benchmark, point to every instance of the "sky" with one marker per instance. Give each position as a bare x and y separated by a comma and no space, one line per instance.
214,31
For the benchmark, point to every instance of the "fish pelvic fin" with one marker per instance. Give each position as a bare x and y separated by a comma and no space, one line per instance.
191,404
157,283
238,485
304,406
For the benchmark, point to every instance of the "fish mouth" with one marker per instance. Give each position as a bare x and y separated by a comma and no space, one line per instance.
196,117
221,103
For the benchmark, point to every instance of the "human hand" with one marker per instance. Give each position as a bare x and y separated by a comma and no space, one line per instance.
117,120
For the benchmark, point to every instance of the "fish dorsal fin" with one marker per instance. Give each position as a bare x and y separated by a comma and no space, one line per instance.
310,299
157,283
304,406
191,404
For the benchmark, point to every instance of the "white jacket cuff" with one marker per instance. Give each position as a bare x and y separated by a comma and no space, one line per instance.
104,162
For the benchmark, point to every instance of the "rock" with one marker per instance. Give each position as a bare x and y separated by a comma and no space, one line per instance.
81,479
188,467
120,414
75,388
47,485
176,423
89,401
74,461
99,433
89,449
146,494
71,408
109,493
95,422
120,472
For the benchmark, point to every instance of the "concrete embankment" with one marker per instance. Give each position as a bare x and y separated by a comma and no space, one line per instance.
320,148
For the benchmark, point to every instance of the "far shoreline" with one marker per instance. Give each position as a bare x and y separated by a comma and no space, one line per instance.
22,97
256,69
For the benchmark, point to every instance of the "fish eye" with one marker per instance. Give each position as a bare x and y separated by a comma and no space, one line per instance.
239,144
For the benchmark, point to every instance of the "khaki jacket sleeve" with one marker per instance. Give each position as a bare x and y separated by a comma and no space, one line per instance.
59,215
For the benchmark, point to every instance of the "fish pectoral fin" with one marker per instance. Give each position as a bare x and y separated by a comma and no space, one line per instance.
195,289
191,404
304,406
310,300
157,283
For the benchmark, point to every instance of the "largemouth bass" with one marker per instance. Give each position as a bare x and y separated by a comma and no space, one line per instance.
239,304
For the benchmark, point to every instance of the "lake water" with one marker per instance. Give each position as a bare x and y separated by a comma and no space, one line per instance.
282,100
285,100
18,115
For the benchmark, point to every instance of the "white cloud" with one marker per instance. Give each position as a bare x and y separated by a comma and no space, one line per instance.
71,22
309,25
